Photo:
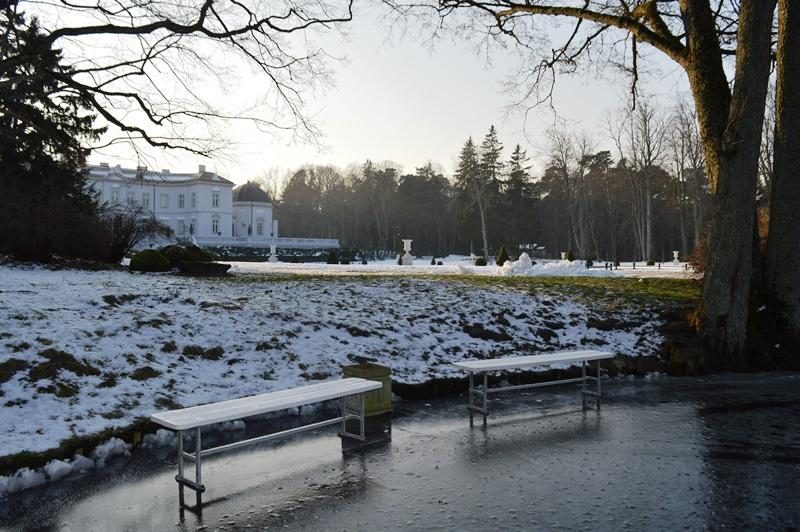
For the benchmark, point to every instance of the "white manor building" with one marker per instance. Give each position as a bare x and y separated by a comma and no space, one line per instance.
202,206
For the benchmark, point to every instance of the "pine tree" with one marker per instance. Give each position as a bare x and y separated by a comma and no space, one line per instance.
491,158
43,199
474,187
491,152
519,196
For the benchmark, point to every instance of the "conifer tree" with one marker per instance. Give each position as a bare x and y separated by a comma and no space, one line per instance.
474,187
43,197
519,196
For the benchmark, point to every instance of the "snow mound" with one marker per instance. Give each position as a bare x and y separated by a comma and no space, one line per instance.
112,447
21,480
81,463
231,425
525,266
57,469
162,438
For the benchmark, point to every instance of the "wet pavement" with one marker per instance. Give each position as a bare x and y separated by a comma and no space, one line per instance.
674,453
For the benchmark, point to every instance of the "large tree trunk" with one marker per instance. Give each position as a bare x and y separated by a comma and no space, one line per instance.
731,131
650,255
484,231
682,219
783,244
697,207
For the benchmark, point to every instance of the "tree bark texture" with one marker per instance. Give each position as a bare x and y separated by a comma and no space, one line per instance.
782,270
730,125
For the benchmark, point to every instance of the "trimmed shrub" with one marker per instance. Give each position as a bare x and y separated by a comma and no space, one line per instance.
589,263
178,254
570,255
204,269
433,261
344,261
651,262
149,260
480,261
332,259
502,256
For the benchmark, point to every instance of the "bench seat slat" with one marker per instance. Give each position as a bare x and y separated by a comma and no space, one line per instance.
199,416
563,357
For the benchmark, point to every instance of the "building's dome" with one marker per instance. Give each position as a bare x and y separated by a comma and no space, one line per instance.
250,192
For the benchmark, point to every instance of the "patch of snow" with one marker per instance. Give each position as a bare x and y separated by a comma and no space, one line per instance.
231,425
109,449
81,463
24,479
161,438
57,469
525,266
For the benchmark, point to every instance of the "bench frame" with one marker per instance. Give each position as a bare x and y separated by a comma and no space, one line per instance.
352,407
482,391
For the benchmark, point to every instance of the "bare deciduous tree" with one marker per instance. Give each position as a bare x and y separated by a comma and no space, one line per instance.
783,251
145,65
698,36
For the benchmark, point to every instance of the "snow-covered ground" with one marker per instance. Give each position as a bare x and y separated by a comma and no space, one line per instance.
459,264
84,351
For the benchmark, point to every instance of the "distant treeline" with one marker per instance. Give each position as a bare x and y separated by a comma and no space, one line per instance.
646,198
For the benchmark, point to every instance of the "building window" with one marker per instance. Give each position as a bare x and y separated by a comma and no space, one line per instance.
215,225
131,198
259,227
194,199
180,201
146,200
215,199
181,227
115,196
164,201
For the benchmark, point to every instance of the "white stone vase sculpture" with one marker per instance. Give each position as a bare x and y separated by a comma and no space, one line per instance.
273,253
407,259
675,259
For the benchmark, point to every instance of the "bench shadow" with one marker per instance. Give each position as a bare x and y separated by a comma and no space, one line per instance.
570,425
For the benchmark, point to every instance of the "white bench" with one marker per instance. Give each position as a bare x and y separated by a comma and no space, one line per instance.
349,391
482,368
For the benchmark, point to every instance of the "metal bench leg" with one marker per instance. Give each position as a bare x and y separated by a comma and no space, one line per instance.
599,386
348,411
583,383
473,391
180,460
471,402
198,455
485,397
180,478
362,414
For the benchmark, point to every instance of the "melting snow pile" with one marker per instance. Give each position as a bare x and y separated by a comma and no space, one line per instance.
109,449
525,266
57,469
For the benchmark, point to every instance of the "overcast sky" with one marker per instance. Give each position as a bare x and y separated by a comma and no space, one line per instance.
401,100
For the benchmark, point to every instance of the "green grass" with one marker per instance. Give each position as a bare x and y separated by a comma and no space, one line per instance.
641,289
636,289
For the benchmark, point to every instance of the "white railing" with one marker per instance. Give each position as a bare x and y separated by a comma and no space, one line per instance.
280,242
